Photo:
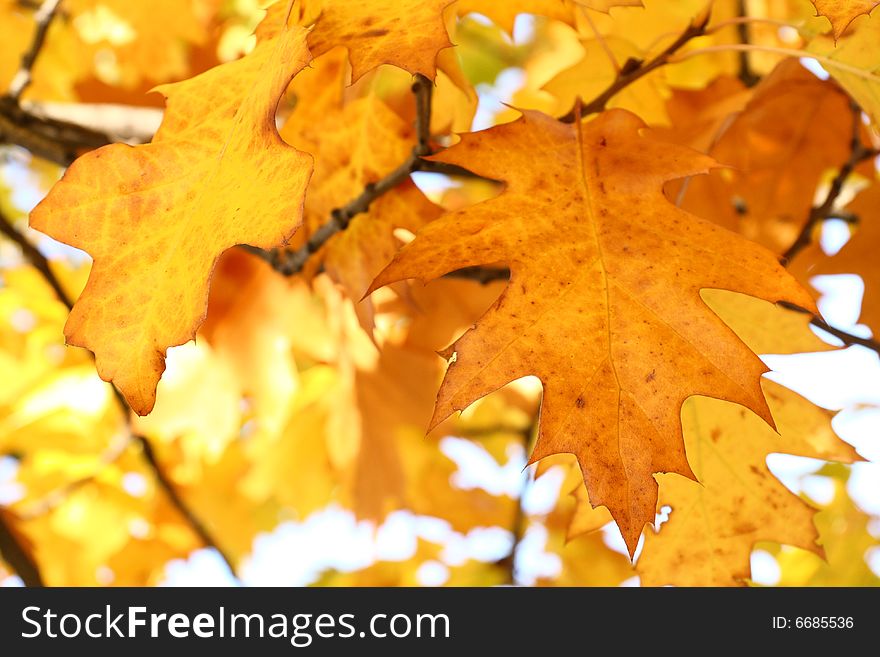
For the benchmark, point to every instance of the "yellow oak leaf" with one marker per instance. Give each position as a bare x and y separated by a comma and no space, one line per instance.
842,13
594,73
846,538
854,62
618,346
714,524
155,218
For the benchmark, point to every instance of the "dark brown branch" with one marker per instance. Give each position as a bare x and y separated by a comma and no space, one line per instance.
60,142
292,262
635,69
39,261
858,154
168,487
17,556
482,275
746,74
43,17
520,522
848,339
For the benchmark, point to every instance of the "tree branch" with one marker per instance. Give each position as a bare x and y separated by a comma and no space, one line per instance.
482,275
289,263
60,142
37,259
17,556
858,154
22,80
635,69
41,264
746,74
520,522
848,339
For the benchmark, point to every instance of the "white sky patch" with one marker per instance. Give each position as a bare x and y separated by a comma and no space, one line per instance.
542,494
815,68
835,235
532,561
11,491
841,301
432,573
202,568
791,470
477,469
765,569
492,97
819,489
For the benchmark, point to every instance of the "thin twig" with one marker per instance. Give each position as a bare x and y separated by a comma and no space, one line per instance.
847,338
519,524
482,275
58,141
22,80
170,490
37,259
635,69
746,74
289,263
18,558
41,264
858,154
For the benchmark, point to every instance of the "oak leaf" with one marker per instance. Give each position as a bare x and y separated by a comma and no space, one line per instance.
603,302
793,130
846,538
155,218
715,523
854,62
842,13
404,33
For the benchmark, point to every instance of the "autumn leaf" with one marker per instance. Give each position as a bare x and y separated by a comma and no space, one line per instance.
617,347
793,129
403,33
155,218
714,524
846,539
855,63
842,13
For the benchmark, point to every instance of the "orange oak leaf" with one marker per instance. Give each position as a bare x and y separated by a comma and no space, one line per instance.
603,304
794,129
843,12
155,218
404,33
